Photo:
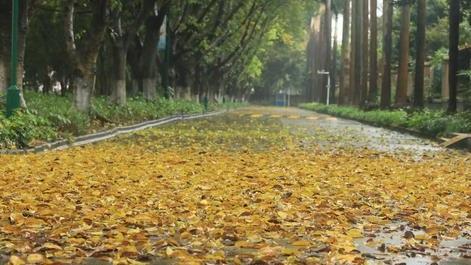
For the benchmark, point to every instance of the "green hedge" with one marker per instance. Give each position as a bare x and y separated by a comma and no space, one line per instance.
52,117
430,122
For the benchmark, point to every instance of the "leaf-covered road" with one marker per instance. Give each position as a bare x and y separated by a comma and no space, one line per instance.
248,187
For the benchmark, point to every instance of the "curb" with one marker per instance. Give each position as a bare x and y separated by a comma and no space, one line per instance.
108,134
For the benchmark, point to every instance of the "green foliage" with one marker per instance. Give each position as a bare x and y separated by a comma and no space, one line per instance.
254,69
439,56
59,111
52,117
22,128
429,122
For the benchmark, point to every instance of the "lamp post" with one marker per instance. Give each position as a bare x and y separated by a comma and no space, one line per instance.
323,72
13,93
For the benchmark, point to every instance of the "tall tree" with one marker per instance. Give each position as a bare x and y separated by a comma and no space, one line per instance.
327,47
454,18
373,81
364,52
356,52
126,19
333,70
316,52
344,92
83,56
148,57
403,71
388,11
420,55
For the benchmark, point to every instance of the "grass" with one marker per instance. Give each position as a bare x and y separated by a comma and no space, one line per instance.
52,117
429,122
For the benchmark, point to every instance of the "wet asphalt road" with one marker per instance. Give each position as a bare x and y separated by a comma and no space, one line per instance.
332,132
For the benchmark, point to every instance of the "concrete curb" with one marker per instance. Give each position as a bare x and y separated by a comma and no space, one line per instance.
108,134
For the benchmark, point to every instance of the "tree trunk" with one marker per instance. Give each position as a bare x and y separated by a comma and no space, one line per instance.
149,88
5,25
105,65
148,73
334,65
364,52
356,51
47,83
420,55
352,71
317,52
344,88
133,56
23,29
197,84
148,57
3,69
83,87
123,36
326,55
454,36
135,87
373,91
403,72
118,83
388,11
83,60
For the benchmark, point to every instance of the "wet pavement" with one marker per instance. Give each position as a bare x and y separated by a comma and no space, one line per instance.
392,243
398,243
331,132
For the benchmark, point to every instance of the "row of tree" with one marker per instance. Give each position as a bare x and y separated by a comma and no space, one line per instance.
110,47
361,68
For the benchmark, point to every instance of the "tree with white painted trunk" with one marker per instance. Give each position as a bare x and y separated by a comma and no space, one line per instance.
126,19
148,56
83,54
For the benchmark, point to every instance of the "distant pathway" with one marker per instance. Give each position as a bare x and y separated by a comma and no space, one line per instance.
337,132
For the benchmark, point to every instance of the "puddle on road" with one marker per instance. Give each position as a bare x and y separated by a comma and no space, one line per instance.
389,245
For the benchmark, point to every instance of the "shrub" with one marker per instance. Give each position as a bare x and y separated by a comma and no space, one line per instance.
22,128
51,117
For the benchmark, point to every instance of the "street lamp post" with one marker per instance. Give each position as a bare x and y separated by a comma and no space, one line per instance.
323,72
13,93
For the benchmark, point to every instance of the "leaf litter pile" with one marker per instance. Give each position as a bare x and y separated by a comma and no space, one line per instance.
232,190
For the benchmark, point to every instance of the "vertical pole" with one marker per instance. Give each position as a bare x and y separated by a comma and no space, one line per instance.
13,93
